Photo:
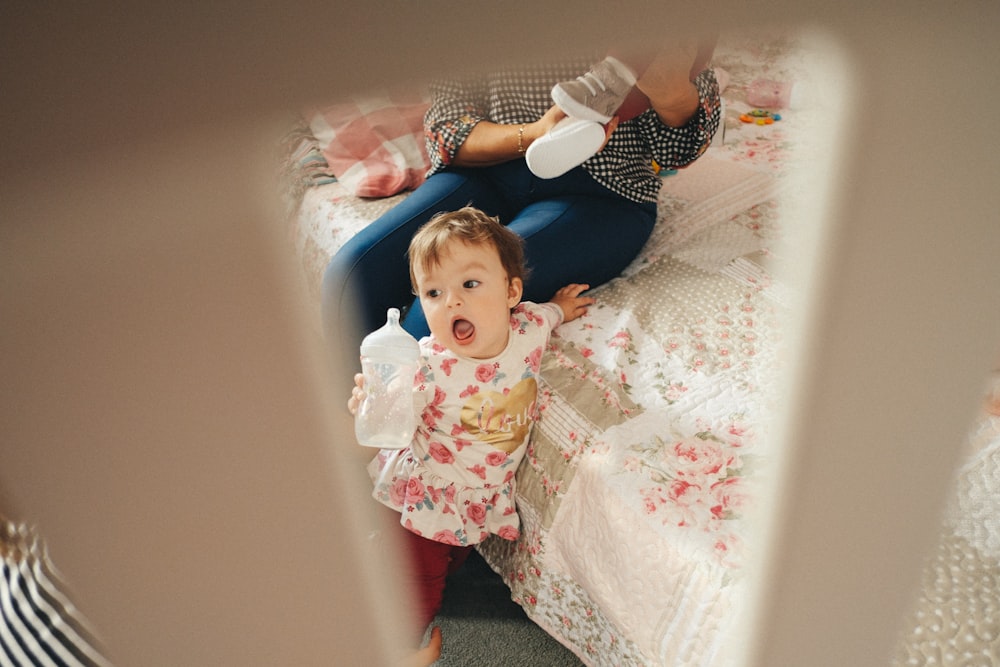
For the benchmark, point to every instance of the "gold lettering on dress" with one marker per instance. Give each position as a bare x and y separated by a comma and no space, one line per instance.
503,420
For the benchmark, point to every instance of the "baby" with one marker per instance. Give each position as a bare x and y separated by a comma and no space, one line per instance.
476,392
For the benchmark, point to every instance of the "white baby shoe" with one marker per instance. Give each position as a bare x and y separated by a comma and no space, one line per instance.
568,144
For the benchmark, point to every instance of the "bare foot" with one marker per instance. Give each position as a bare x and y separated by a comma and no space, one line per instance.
428,655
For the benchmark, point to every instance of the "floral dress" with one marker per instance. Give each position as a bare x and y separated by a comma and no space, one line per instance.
455,482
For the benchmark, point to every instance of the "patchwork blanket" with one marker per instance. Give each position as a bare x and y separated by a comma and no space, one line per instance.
654,440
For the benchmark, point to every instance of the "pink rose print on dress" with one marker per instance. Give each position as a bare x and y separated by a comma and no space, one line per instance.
397,492
534,360
434,493
485,372
440,453
476,513
531,316
446,365
429,419
478,471
496,458
432,413
447,537
414,490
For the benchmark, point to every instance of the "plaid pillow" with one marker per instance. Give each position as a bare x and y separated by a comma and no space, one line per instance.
374,144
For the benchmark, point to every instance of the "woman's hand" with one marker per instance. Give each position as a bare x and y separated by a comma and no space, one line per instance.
543,124
357,394
492,143
540,127
573,305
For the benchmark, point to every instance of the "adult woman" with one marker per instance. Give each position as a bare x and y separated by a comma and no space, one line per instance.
584,226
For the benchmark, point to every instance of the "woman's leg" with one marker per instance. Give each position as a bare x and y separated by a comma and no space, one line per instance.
580,238
370,273
574,229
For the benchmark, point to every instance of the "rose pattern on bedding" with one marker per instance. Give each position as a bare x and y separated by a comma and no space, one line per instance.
613,371
697,482
666,381
642,352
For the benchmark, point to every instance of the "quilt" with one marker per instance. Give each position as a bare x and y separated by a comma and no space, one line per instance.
633,491
653,445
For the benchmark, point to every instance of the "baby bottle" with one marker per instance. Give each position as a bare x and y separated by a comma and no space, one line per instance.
389,361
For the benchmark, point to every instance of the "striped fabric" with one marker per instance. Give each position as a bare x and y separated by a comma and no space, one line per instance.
40,625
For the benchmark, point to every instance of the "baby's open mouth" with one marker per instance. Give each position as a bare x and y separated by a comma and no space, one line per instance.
463,330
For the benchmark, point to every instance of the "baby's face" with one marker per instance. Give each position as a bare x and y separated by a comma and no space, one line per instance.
467,299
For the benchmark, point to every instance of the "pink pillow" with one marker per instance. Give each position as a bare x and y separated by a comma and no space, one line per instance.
374,144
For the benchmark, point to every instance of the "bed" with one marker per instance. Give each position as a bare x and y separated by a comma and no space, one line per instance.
654,438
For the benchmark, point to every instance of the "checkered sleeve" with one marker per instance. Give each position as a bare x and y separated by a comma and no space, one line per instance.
457,105
522,94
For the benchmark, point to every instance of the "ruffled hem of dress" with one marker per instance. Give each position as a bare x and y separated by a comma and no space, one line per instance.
439,509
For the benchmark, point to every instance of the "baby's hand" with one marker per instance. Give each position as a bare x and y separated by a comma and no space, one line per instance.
357,394
573,305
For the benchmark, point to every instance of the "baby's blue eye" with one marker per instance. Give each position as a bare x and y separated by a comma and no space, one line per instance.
469,284
433,293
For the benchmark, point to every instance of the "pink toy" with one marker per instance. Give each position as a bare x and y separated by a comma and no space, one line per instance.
769,94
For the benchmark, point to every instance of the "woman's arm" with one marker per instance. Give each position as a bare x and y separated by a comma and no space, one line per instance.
492,143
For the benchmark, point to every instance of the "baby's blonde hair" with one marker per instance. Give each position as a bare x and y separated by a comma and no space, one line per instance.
472,226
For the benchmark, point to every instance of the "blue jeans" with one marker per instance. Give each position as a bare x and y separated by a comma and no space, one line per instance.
575,231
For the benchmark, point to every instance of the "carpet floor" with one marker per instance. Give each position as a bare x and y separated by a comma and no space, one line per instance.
482,627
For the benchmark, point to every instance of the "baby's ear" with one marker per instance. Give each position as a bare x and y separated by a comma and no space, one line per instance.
514,290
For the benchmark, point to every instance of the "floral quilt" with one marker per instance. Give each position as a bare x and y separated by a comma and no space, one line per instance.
653,440
653,435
